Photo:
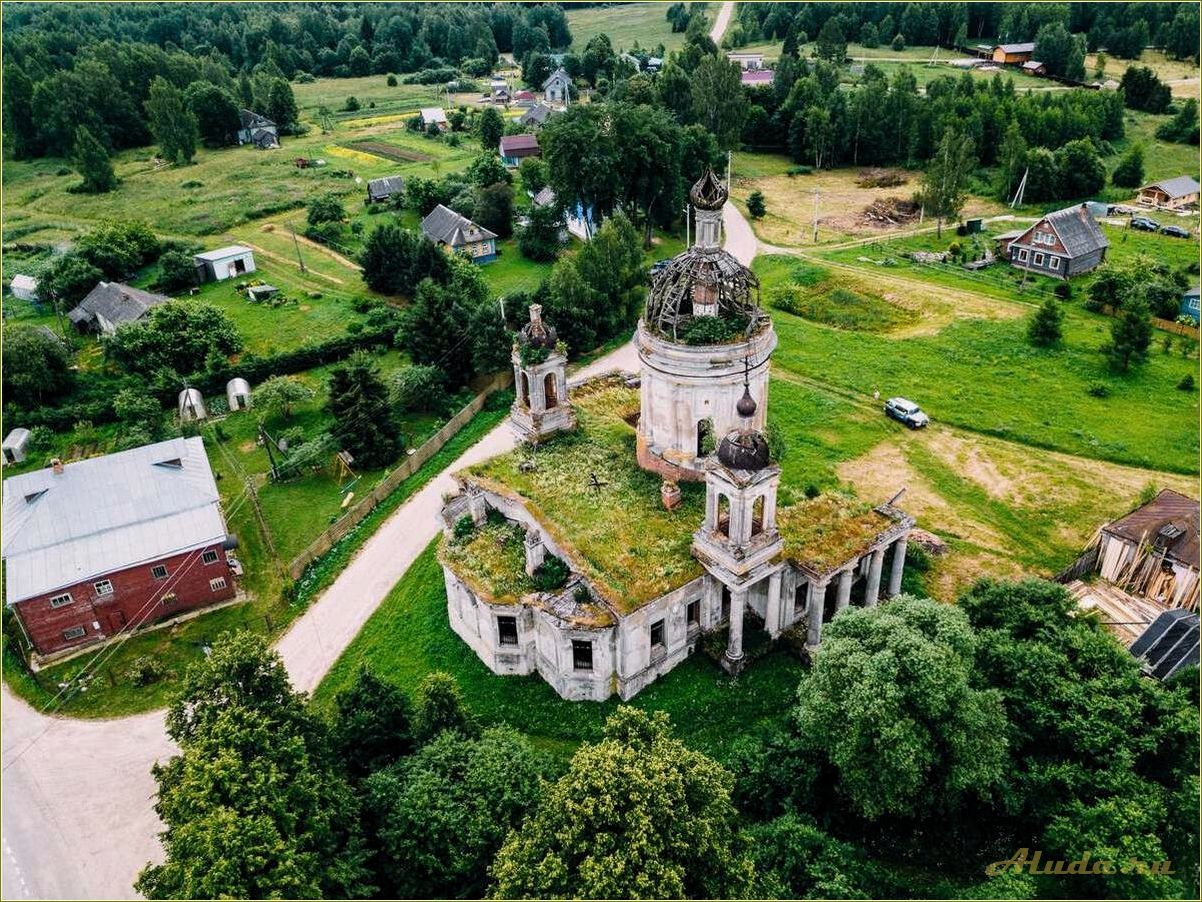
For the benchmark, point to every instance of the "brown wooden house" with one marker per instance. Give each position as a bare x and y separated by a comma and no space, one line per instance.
1013,54
1170,194
1061,244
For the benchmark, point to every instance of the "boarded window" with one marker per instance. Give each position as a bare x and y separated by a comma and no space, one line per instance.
209,557
582,654
76,632
507,630
159,571
60,601
217,584
657,634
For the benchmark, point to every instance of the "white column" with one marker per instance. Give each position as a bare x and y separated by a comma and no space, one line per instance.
772,616
897,566
815,602
873,589
844,596
734,648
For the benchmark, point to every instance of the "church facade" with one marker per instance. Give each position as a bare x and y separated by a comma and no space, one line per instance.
748,562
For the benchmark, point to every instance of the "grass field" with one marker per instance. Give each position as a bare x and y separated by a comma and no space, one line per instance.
409,636
628,25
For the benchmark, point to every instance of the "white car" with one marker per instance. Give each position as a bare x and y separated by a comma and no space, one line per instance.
906,411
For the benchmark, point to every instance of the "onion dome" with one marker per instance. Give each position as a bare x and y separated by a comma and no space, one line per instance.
744,449
708,193
746,406
536,333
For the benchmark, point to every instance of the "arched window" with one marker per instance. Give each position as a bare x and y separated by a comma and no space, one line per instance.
549,390
705,437
525,388
724,515
757,516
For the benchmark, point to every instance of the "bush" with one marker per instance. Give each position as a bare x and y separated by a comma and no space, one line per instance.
711,330
463,528
420,389
1186,383
391,81
1099,390
1064,291
799,170
145,669
352,104
177,271
551,574
898,43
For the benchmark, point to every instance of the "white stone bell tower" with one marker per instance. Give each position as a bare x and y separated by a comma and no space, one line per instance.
540,406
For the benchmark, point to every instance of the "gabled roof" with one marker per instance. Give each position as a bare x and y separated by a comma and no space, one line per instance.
1147,523
250,119
116,302
1028,47
545,197
537,114
446,226
1076,228
560,74
433,114
1032,65
1181,186
107,513
389,184
224,253
519,145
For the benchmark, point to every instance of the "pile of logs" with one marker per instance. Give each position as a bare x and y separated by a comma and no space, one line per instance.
880,178
890,211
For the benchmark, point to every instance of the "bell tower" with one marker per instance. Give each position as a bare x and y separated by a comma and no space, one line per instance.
540,405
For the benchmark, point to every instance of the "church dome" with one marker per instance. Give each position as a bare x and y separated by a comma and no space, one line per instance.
707,192
744,449
700,276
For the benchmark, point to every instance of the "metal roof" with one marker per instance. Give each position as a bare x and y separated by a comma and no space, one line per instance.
18,438
107,513
23,281
445,225
433,114
385,186
560,74
116,302
1169,508
1076,228
518,144
1168,644
1016,48
222,253
1181,186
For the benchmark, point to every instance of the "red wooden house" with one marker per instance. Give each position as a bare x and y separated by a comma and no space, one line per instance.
109,544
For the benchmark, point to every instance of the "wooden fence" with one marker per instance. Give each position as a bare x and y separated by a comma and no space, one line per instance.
1166,325
386,486
1082,566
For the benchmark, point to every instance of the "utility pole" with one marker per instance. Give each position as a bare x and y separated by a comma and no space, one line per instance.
296,246
268,441
686,226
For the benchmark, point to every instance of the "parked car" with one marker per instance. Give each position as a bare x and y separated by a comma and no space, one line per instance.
1174,231
906,411
1144,224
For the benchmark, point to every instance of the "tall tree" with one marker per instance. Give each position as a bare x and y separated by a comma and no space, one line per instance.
93,163
372,725
1130,333
280,106
364,423
718,100
945,181
491,127
831,44
1129,173
171,122
1045,329
36,366
638,815
215,111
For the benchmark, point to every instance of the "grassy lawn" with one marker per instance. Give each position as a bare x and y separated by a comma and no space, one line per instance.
332,94
409,637
109,693
628,25
983,376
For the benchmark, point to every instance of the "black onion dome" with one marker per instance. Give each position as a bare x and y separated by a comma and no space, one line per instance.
538,335
744,449
708,193
746,406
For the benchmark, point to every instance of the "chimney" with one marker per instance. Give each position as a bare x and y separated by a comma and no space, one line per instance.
57,466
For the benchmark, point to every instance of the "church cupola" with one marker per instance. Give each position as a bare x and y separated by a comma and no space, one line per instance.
540,406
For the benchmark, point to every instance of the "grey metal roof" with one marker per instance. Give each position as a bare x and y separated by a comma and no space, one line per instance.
545,197
250,120
1168,644
536,115
560,74
1181,186
107,513
224,253
433,114
116,302
1078,231
1016,48
386,186
445,225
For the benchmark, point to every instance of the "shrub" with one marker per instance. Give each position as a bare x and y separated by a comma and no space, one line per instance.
1064,291
463,528
1099,390
1186,383
352,104
551,574
420,388
799,170
898,43
391,81
711,330
145,669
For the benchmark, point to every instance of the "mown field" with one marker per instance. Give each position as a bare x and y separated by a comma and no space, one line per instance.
628,25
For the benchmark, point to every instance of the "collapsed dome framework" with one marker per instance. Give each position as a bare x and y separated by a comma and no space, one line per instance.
703,276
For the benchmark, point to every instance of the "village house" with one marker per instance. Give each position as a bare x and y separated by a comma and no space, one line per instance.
1013,54
224,263
515,148
1062,244
498,90
747,60
24,287
524,99
1190,304
557,88
257,130
537,116
434,116
579,221
1170,194
386,188
642,595
1034,67
459,234
110,304
106,545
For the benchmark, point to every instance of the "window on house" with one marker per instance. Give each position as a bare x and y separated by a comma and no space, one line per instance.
582,654
60,601
103,587
1022,254
657,634
1039,259
217,584
159,571
692,614
76,632
507,630
1054,262
209,557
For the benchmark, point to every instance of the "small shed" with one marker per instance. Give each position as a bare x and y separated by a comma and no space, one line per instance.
383,189
16,445
24,287
191,405
262,292
1035,67
224,263
1190,304
237,393
435,116
515,148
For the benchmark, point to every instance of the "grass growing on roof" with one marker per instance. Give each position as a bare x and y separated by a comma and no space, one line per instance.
619,535
492,561
826,531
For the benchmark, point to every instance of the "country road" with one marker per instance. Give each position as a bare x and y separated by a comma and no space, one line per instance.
722,22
